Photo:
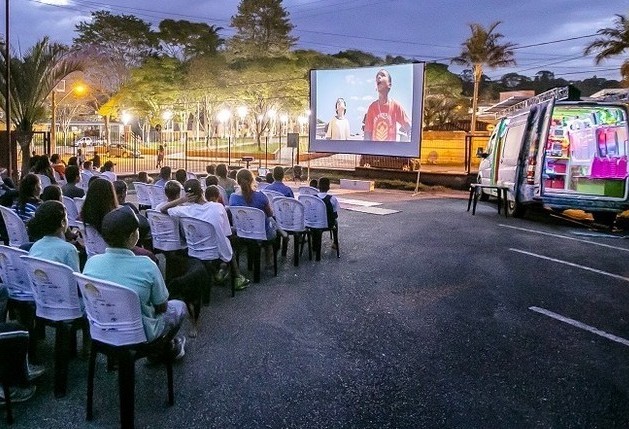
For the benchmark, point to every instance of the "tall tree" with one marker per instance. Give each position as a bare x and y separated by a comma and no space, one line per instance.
262,30
33,77
483,48
185,40
614,42
124,37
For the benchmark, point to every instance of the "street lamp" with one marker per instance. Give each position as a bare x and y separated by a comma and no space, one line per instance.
242,114
167,115
79,89
283,121
223,117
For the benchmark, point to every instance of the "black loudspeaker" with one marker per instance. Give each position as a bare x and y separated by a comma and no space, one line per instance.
292,140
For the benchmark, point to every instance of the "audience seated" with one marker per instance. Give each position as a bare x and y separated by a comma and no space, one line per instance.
51,192
181,176
28,199
165,174
278,184
161,317
143,177
209,211
108,171
70,189
225,182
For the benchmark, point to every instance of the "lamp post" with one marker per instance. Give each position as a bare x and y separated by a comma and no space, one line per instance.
126,118
79,89
283,121
223,117
167,115
7,80
242,114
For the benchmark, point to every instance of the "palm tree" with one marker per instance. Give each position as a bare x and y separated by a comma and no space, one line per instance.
615,42
483,48
33,77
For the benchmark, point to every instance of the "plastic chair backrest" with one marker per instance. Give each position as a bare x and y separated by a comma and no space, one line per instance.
165,231
113,311
289,214
72,210
16,229
55,288
315,214
78,202
156,194
94,242
44,180
58,178
250,222
271,195
262,185
14,274
84,182
223,193
204,241
308,190
190,175
143,193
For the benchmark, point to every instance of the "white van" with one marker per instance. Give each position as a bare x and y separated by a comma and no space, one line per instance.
563,155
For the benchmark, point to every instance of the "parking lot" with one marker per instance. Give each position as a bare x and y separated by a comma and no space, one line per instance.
432,317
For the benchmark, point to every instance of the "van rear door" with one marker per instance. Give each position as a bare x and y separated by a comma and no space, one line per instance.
510,150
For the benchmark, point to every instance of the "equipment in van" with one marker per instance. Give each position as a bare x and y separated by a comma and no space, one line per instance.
561,152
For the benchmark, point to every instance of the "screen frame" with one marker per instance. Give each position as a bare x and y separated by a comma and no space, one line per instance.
410,149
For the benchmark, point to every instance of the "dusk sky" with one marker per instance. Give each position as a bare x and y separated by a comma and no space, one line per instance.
429,30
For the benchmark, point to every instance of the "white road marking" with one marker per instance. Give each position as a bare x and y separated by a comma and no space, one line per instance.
550,234
370,210
580,325
583,267
357,202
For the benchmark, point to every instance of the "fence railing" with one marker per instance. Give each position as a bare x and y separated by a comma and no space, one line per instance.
441,151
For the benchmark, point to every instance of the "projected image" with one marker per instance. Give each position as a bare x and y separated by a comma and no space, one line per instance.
370,110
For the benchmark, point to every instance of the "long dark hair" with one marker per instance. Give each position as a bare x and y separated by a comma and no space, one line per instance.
99,200
47,219
244,178
27,189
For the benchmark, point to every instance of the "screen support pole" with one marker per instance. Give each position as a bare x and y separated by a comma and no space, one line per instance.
419,168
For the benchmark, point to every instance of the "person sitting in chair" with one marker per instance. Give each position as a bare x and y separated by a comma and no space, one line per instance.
278,184
160,316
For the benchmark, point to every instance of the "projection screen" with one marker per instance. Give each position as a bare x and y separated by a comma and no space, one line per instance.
367,110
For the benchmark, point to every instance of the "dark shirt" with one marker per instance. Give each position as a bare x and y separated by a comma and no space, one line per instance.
72,191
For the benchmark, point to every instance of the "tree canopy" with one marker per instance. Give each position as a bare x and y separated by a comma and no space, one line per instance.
262,30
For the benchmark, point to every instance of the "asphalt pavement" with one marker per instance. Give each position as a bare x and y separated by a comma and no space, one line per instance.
430,318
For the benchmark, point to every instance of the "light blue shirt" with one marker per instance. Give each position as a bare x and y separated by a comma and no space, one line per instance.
137,273
281,188
56,249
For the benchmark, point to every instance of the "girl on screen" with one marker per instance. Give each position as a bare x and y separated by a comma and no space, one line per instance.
338,127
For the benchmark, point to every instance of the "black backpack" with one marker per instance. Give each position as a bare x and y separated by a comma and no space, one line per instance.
329,209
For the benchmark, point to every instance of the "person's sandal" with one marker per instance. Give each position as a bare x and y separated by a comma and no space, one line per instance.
241,282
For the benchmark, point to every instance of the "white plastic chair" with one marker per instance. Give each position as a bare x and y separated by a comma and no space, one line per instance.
57,303
165,231
308,190
143,194
271,195
289,214
58,178
190,175
94,242
72,211
84,182
14,274
250,224
207,243
116,328
157,195
44,180
223,193
16,230
316,219
78,202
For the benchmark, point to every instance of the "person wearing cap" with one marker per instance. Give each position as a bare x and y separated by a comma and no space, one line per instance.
278,185
108,171
120,265
212,212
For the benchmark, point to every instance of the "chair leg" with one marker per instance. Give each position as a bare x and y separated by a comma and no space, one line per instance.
171,389
297,238
316,243
90,383
126,389
335,233
256,255
61,358
284,245
7,396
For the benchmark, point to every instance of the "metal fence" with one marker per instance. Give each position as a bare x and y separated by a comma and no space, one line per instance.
441,151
